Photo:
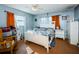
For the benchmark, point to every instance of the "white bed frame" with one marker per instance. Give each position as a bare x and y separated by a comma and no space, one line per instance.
38,39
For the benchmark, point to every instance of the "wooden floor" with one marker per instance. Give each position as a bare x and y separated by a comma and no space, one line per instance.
20,48
62,47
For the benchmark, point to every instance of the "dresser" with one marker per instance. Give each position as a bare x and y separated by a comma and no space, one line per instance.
60,34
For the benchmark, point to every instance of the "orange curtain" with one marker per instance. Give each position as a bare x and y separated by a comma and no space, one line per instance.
57,21
10,19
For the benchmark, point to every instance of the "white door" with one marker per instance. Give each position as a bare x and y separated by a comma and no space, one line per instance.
74,33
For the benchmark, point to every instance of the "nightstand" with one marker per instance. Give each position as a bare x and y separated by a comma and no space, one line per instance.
60,34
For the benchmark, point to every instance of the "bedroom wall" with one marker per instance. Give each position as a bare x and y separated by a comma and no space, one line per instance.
69,12
76,13
3,18
63,13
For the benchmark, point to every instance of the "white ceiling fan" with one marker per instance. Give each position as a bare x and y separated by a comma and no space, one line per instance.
35,7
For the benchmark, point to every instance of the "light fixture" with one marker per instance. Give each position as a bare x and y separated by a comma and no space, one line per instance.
35,7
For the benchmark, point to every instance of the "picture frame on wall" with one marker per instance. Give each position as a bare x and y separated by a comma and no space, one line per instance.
64,17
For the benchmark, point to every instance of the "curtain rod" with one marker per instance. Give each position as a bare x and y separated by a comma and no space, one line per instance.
5,11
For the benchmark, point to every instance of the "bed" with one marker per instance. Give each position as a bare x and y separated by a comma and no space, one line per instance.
38,38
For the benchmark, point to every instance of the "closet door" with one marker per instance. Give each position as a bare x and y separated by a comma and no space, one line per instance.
74,33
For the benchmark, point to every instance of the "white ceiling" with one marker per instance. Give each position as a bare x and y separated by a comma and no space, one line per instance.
43,8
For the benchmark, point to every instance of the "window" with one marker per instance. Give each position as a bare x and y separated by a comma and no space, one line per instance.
45,22
20,26
20,20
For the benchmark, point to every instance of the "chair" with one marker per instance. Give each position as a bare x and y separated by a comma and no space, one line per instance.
5,46
5,42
